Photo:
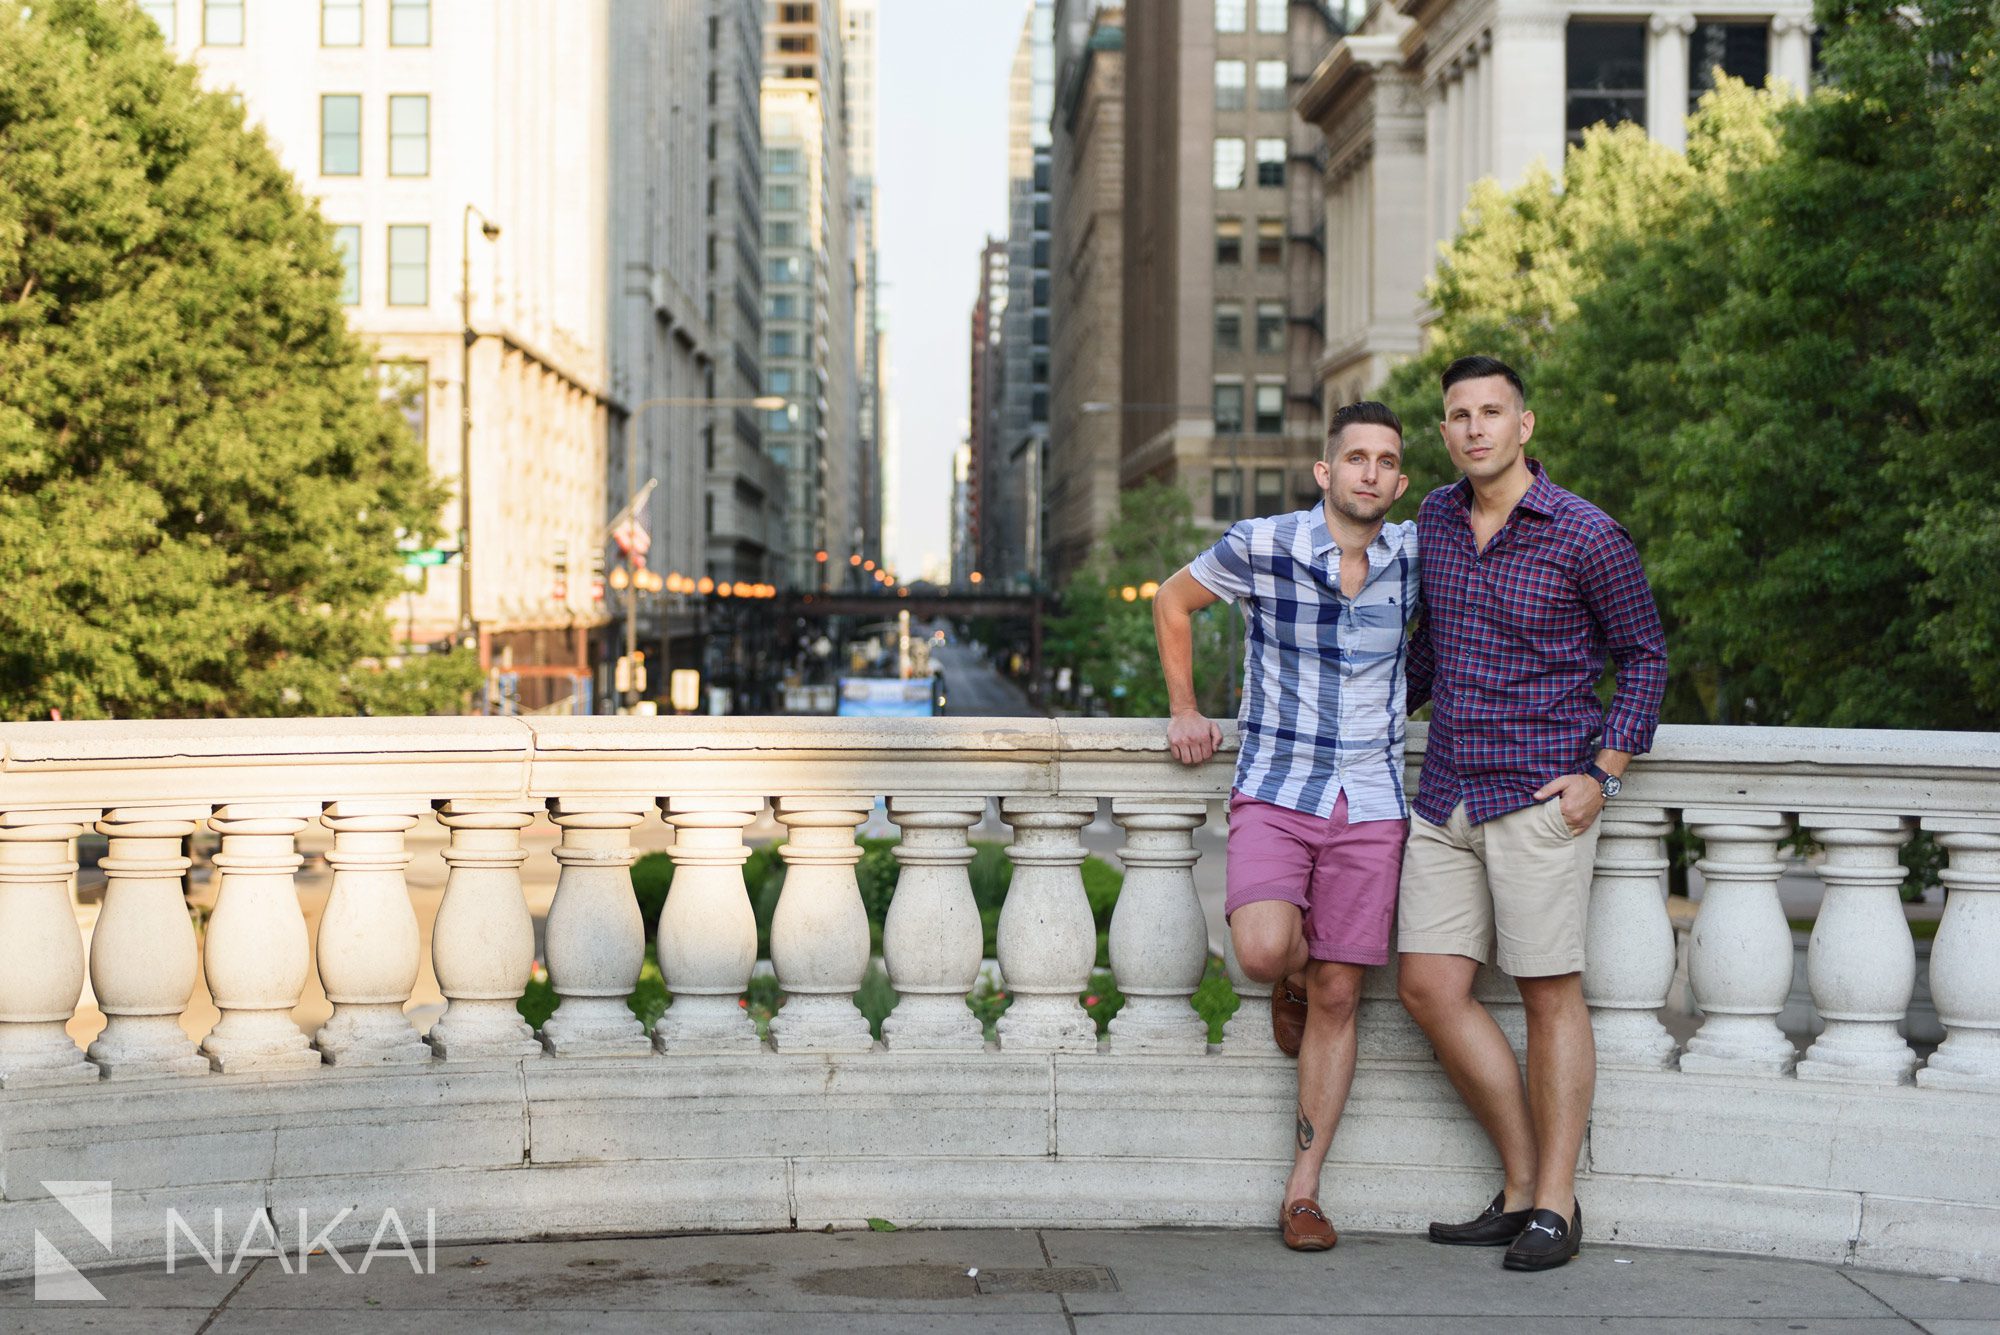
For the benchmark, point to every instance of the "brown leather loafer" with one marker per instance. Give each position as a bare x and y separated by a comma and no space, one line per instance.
1288,1018
1305,1228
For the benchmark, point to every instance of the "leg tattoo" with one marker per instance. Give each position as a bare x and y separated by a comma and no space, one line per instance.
1305,1129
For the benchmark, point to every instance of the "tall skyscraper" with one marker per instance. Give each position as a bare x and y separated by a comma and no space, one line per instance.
858,51
810,287
1014,504
982,438
1087,240
1224,245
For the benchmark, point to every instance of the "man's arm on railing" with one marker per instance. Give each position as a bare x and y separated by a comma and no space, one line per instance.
1191,737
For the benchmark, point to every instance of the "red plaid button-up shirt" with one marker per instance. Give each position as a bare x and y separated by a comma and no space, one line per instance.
1512,644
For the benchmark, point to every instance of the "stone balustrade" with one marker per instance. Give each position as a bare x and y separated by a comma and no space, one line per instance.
1833,1153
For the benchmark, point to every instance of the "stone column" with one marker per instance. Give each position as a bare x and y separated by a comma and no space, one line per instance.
483,942
596,935
1047,939
1965,958
932,940
143,956
368,947
1667,81
256,952
1740,952
1791,50
1159,938
1862,964
1247,1033
819,935
41,975
1629,945
708,933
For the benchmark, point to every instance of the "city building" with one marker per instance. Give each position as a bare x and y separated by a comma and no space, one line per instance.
1087,267
1015,504
858,21
809,283
962,562
744,505
467,266
1223,254
1425,99
982,433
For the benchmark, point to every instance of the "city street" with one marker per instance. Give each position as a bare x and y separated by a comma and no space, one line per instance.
974,688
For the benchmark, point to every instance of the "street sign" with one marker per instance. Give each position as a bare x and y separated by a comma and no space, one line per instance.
434,556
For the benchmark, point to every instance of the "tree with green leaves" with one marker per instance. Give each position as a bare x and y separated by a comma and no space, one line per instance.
1107,640
200,484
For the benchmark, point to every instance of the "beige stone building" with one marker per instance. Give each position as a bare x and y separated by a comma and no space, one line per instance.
1087,268
1223,244
1428,97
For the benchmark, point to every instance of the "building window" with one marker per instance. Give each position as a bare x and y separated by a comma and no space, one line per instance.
1229,241
782,271
410,134
409,22
795,13
340,134
1228,164
340,22
161,12
782,162
1229,78
347,243
1270,162
409,264
1225,503
1228,408
1270,326
1270,15
406,384
1740,50
782,234
783,306
1271,86
1270,241
1270,410
795,43
1229,15
1270,491
222,22
1606,66
1228,327
778,382
784,198
781,343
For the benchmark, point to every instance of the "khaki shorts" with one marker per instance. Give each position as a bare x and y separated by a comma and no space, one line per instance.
1522,878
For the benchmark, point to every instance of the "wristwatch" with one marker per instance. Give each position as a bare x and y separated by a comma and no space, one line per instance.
1605,779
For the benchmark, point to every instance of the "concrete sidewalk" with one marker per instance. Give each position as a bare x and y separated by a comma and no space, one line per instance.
1026,1280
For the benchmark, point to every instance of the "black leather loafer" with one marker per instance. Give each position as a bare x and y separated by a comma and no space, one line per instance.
1496,1226
1547,1242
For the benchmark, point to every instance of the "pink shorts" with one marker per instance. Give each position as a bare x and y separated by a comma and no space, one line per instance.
1341,877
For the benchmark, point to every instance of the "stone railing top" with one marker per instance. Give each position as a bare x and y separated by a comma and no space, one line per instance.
48,766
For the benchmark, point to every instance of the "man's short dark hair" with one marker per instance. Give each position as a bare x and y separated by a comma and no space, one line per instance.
1365,413
1478,368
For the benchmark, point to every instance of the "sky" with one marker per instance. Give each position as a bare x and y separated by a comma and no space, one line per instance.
942,177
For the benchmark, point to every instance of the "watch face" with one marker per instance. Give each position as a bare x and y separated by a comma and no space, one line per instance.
1612,785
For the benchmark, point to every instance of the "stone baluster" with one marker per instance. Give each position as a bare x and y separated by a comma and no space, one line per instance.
143,955
932,940
1247,1033
257,953
596,934
1629,946
1965,958
1159,937
368,947
1047,940
1740,951
819,934
708,933
483,942
41,975
1861,964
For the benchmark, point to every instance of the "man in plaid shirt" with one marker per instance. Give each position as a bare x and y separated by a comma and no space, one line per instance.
1527,590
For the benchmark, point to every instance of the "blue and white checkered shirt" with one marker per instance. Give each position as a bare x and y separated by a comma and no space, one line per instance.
1323,675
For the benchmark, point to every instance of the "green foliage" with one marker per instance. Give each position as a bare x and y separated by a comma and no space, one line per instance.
200,484
651,877
1108,642
1772,359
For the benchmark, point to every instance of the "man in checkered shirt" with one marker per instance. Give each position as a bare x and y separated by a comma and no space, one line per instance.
1318,818
1528,591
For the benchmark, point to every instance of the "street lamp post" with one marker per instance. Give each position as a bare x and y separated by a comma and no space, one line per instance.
467,625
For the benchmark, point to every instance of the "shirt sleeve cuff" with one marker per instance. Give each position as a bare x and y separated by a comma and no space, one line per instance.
1632,738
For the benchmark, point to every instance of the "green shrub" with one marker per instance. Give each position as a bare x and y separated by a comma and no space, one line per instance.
651,875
